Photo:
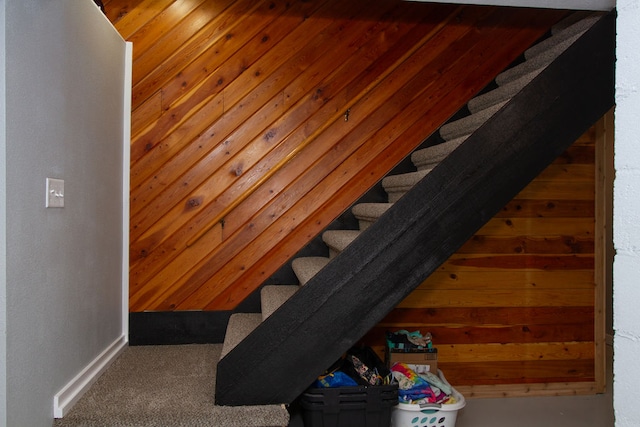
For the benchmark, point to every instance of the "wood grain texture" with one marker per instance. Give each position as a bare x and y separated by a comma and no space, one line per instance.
522,372
238,120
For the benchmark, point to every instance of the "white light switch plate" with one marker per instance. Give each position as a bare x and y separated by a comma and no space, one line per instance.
55,193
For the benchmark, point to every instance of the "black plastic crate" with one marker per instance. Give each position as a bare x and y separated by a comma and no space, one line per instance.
359,406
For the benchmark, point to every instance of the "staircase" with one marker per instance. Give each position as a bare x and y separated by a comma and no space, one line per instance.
511,133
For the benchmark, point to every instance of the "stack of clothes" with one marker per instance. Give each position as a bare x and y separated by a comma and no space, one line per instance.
420,388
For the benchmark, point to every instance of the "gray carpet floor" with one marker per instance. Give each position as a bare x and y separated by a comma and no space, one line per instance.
165,386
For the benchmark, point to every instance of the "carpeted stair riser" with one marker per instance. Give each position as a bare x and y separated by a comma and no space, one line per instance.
337,240
240,325
368,213
428,158
305,268
396,186
273,296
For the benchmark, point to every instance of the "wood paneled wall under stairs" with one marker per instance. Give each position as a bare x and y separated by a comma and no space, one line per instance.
256,123
518,310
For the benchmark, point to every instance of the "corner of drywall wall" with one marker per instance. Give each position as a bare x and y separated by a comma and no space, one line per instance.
126,160
3,227
106,19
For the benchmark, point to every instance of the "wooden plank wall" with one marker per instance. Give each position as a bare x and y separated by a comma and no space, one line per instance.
242,149
515,305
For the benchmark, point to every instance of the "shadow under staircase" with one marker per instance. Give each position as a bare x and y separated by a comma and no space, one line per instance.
538,109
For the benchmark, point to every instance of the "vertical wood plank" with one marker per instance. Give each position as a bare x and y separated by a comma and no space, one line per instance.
603,238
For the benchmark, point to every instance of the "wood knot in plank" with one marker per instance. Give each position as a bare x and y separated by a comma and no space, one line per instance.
270,135
194,202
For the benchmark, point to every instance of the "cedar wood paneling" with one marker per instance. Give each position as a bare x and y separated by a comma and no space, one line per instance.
241,149
256,123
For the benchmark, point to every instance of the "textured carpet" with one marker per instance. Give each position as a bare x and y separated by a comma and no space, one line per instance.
165,386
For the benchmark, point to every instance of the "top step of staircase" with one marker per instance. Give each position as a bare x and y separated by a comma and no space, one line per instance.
545,57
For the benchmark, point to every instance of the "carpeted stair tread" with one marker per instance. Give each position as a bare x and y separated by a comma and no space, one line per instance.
397,185
429,157
469,124
403,180
368,213
273,296
337,240
576,23
307,267
501,94
240,325
167,385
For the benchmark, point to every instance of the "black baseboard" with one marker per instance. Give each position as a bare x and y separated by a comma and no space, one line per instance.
177,327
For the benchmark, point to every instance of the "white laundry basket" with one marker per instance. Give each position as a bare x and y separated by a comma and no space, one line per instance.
428,415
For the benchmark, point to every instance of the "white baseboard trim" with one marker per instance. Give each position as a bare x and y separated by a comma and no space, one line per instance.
69,395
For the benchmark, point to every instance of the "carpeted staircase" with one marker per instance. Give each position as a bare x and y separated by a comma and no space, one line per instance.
105,409
453,134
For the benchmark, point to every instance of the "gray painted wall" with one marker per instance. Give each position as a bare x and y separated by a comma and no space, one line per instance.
3,228
64,76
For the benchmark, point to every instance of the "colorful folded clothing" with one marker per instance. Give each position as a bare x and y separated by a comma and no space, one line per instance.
436,382
415,388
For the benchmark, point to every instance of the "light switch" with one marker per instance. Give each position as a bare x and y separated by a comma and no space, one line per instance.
55,193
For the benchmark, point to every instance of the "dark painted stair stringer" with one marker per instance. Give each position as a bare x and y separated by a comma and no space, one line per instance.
285,353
